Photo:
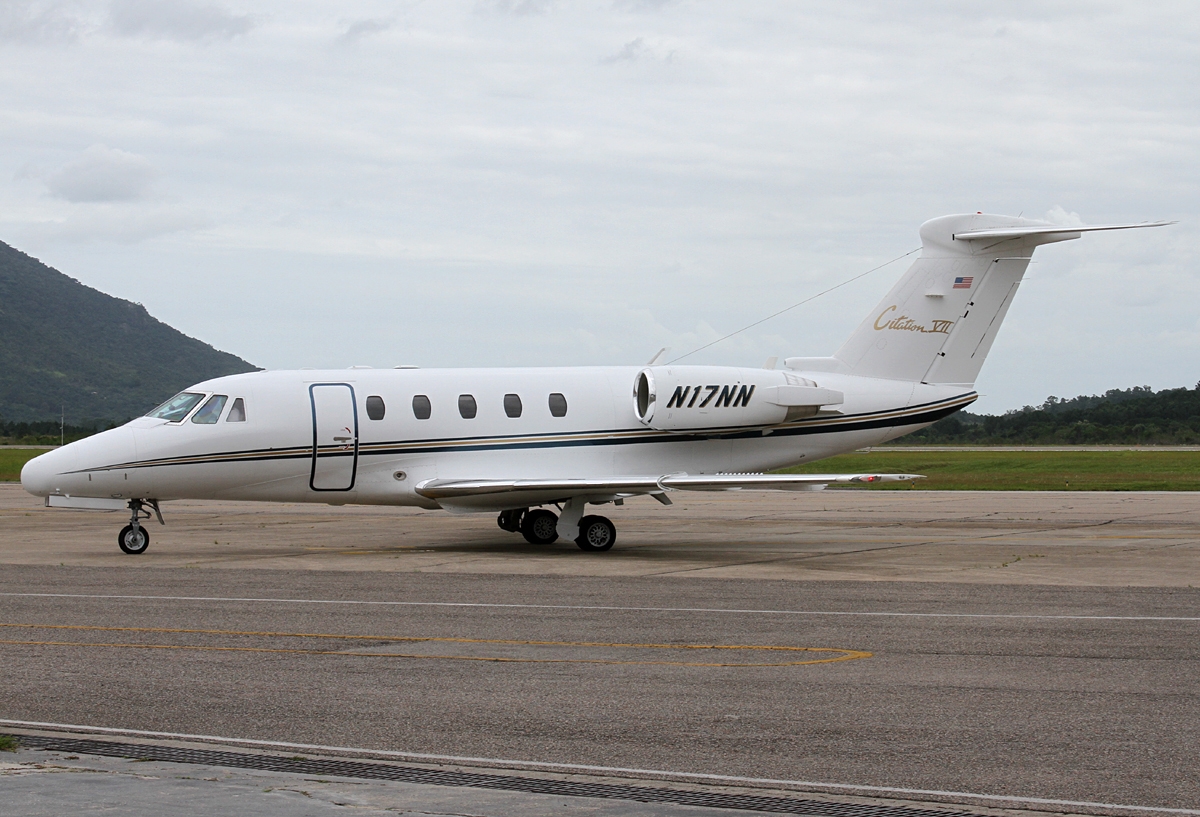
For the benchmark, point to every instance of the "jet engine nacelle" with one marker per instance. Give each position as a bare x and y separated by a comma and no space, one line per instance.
713,398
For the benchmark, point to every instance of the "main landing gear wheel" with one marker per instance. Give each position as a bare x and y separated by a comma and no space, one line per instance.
134,540
596,533
510,520
540,527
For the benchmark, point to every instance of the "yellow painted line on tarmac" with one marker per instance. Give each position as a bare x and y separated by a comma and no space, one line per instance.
838,654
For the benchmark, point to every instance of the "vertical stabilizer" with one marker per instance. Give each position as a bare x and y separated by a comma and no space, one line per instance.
938,322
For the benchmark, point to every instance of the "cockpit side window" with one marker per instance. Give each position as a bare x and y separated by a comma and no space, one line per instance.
237,412
175,409
210,412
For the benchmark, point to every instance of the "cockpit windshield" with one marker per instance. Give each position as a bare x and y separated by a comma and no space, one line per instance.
177,407
210,412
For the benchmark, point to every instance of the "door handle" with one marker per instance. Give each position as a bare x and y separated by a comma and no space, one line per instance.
342,439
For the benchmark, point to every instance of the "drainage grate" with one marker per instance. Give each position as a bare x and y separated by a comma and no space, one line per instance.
434,777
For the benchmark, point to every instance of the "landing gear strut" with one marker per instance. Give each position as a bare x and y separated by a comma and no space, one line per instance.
133,538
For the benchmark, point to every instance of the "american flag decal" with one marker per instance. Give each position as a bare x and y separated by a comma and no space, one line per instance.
963,283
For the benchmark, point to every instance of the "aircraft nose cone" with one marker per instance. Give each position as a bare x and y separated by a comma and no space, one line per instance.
66,470
38,473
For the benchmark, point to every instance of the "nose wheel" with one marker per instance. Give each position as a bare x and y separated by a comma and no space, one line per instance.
134,540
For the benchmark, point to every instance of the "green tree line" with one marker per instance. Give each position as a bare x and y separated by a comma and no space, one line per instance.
49,432
1137,416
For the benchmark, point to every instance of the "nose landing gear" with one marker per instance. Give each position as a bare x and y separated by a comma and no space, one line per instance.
133,538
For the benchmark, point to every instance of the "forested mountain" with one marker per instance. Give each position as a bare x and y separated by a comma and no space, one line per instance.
1137,416
65,346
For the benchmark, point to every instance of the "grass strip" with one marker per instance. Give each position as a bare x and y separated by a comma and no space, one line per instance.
986,470
13,459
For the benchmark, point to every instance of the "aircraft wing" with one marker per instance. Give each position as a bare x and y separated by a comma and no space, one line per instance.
509,493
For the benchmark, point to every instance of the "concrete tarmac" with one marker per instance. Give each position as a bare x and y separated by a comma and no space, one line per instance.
1035,645
1149,539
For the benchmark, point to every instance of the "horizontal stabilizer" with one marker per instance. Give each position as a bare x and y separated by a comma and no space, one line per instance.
1056,230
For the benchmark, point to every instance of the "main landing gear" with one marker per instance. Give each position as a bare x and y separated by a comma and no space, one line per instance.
541,527
133,538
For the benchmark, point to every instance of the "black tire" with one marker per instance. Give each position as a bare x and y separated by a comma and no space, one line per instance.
510,520
539,527
596,533
131,544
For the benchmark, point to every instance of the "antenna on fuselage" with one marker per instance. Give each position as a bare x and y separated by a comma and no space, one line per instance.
793,306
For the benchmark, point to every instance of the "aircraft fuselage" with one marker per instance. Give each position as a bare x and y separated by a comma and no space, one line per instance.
311,436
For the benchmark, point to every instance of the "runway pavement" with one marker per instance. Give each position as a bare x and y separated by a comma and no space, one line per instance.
1082,538
1038,646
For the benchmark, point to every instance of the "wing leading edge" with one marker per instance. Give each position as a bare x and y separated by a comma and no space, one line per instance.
488,494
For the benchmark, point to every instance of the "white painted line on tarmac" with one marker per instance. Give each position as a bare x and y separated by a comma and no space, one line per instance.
579,767
731,611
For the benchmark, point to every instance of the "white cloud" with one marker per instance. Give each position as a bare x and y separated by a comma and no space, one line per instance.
120,224
176,20
631,51
518,8
1057,215
38,22
359,29
497,195
103,174
643,5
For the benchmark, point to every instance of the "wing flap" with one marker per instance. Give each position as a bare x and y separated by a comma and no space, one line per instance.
499,493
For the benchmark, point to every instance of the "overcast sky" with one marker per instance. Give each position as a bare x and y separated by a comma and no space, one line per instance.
528,182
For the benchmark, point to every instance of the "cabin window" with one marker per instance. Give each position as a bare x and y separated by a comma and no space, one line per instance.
467,407
210,412
237,412
421,407
375,407
512,405
558,405
175,409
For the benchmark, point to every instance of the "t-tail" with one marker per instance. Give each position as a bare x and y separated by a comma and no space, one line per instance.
939,321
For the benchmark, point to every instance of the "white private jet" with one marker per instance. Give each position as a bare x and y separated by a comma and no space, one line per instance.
514,441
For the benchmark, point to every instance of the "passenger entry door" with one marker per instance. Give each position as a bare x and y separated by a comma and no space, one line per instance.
335,437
